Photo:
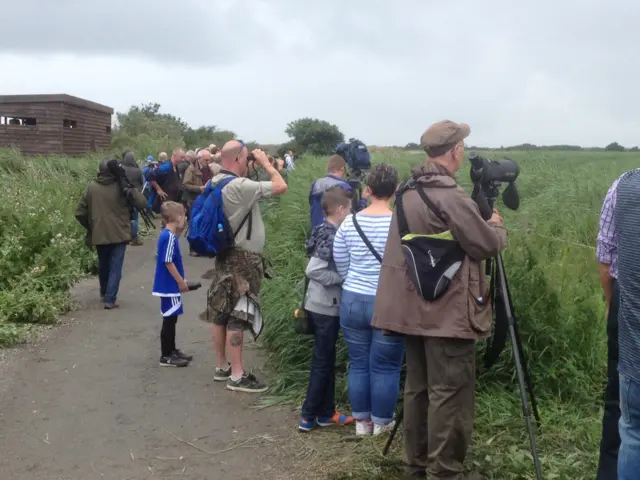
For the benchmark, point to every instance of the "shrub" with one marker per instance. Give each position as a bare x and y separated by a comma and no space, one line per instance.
42,250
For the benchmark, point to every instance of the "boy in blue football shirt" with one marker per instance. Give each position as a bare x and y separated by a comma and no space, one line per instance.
169,283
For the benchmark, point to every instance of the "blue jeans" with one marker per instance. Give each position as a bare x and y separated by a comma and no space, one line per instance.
374,360
320,401
134,223
629,454
110,262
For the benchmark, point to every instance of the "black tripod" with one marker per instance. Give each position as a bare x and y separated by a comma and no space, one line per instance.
355,181
502,296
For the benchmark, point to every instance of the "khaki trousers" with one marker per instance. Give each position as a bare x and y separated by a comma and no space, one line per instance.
439,405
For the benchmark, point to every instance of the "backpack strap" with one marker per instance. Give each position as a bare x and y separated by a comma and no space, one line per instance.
403,226
223,183
366,240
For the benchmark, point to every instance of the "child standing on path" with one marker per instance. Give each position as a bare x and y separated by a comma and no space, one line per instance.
322,304
169,283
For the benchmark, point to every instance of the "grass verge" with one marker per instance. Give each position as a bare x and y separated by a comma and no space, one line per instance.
551,266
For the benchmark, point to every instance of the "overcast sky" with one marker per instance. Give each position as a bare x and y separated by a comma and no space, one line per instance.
545,72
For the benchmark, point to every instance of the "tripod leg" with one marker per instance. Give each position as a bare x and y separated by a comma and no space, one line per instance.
393,432
517,355
525,406
527,375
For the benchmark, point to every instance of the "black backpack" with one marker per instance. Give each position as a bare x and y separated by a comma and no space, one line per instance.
432,260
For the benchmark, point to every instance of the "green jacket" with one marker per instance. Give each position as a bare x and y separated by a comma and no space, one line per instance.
105,212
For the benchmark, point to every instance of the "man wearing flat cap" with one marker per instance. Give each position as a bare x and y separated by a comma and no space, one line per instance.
439,395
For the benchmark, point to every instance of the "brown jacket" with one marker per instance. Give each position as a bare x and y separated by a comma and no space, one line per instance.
458,313
192,182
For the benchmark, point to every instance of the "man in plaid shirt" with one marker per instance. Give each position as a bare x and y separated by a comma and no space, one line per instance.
607,255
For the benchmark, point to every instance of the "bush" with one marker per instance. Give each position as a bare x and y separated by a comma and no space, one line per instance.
313,136
42,250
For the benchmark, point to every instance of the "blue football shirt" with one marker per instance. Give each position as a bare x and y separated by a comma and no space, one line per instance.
164,284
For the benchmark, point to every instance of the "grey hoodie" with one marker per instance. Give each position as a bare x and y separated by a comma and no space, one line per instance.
134,174
323,293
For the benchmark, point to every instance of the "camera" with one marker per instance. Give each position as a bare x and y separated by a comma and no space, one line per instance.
487,175
355,153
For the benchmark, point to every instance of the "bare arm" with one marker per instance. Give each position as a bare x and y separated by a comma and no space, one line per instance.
176,276
279,185
607,282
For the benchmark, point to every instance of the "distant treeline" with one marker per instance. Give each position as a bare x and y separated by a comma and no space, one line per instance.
612,147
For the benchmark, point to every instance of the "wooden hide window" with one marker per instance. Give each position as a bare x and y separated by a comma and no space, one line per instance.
108,129
21,121
66,123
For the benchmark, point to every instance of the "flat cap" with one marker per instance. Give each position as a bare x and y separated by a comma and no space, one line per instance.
441,137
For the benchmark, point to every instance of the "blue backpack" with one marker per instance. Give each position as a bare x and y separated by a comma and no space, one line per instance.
210,233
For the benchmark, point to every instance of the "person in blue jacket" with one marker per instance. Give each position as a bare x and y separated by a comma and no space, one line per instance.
336,169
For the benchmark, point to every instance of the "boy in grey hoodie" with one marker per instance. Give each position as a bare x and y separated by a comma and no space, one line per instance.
322,305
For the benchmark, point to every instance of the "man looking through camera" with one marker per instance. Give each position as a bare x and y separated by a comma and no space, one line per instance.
233,300
439,397
105,211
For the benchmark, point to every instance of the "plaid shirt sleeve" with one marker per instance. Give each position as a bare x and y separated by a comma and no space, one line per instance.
606,243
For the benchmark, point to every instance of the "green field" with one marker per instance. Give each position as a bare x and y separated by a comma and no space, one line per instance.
550,262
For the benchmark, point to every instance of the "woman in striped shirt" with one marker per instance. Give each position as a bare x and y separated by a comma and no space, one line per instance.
374,359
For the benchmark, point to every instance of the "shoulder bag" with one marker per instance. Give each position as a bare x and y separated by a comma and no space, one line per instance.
432,260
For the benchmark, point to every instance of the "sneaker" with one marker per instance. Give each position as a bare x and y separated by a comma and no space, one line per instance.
336,419
306,424
111,306
222,374
380,429
173,361
180,354
136,242
364,427
248,383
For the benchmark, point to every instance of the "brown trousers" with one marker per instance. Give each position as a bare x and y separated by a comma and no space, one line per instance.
439,405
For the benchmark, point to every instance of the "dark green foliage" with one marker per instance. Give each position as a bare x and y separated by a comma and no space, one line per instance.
313,136
614,147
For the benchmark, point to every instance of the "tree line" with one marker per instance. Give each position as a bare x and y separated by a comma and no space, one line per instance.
147,130
612,147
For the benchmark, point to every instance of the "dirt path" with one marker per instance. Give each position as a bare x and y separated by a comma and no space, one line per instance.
90,402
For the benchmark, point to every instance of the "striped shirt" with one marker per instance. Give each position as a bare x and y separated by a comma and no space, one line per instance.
627,215
606,243
354,261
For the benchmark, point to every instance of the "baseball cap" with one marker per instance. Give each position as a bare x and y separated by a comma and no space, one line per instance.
442,136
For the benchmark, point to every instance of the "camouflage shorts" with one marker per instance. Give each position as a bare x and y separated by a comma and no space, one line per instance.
238,275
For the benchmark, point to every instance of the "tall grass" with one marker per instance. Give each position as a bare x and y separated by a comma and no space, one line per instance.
550,262
42,248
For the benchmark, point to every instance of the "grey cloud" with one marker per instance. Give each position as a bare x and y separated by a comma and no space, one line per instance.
185,31
544,72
